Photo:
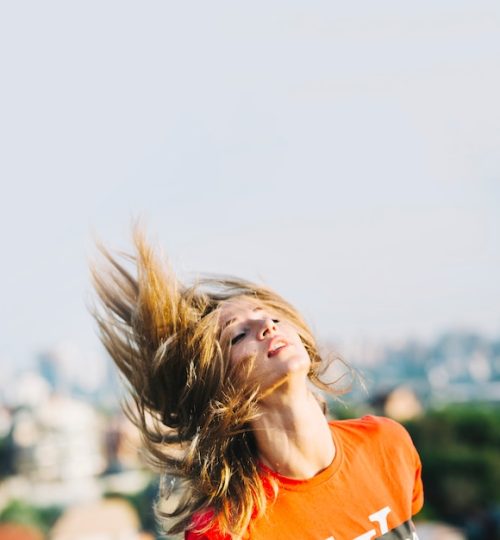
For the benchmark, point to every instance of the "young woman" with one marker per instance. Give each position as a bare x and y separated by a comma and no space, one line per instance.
220,374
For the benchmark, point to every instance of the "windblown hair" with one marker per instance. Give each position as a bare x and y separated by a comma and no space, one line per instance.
192,408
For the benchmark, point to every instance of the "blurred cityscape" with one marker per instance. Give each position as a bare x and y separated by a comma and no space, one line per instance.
71,463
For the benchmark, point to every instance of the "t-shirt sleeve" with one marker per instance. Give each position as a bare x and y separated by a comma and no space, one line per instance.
201,520
398,436
418,488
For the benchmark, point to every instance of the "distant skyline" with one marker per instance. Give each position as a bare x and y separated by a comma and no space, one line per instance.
345,154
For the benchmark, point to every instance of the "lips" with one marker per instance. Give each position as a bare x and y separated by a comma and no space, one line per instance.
276,346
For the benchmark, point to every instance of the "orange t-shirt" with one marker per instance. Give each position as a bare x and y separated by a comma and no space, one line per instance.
370,490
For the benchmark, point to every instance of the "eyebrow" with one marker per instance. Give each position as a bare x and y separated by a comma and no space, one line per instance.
231,321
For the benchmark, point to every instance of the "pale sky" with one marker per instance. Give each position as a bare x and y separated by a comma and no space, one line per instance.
344,153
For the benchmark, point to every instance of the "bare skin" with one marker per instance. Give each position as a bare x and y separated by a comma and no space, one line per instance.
292,433
294,438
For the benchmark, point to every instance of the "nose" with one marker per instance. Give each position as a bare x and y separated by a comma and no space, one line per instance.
267,327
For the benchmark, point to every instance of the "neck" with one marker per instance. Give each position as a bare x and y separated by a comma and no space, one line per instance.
292,434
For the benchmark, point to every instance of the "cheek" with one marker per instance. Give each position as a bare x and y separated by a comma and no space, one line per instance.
291,333
234,358
241,354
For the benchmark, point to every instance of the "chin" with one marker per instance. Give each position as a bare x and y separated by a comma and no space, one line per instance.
296,369
298,364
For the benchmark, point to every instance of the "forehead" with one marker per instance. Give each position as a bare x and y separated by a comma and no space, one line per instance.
237,307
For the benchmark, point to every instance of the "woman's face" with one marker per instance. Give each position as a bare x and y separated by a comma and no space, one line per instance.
274,343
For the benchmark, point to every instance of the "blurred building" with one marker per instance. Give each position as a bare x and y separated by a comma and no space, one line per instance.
61,439
457,366
72,371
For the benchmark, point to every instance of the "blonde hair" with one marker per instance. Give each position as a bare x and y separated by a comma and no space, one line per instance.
192,409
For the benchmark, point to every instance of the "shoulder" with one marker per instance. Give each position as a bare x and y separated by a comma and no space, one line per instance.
386,444
379,440
368,423
380,429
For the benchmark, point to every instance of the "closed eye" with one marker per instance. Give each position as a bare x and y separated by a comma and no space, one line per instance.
237,338
240,336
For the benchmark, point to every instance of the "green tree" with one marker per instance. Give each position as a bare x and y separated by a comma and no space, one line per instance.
460,451
23,513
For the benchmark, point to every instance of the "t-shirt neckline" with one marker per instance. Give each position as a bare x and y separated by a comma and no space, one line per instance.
300,484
